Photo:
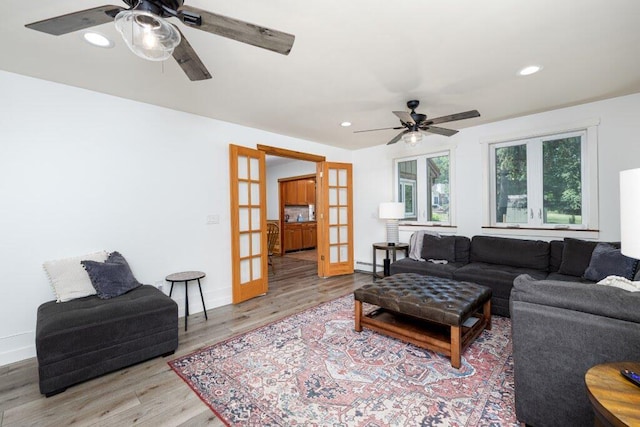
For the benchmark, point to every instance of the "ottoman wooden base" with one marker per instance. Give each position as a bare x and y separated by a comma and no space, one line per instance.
438,314
448,340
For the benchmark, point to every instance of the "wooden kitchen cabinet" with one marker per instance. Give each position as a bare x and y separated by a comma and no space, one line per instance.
298,236
309,235
290,192
311,192
292,237
299,192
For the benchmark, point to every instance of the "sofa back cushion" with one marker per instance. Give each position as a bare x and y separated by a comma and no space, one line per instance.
452,248
463,247
532,254
555,255
439,247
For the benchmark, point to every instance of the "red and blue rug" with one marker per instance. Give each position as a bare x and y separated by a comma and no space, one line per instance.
313,369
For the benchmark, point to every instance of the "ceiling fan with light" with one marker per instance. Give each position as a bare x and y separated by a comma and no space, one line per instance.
415,124
149,35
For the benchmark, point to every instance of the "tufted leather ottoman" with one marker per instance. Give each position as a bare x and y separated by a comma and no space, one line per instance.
435,313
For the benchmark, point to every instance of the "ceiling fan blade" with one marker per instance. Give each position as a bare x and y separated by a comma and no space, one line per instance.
75,21
454,117
252,34
397,137
188,60
439,131
372,130
404,117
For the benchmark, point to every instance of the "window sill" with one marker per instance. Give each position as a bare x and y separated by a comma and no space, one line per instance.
430,227
542,232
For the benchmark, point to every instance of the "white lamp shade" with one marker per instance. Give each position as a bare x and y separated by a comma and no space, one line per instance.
391,210
630,212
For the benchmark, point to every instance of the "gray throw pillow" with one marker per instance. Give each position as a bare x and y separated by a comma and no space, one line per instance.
607,260
576,256
439,247
111,278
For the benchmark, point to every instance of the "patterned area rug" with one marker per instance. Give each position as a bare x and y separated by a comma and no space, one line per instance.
313,369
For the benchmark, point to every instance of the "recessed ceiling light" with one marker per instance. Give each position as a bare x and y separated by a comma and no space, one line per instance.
531,69
97,39
345,124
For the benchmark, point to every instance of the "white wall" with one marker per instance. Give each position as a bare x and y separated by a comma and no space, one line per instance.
618,149
82,171
284,169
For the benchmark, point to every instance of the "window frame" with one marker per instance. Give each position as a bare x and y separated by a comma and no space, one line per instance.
589,171
421,207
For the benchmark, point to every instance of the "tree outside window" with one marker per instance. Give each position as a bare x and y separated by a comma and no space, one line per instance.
539,182
423,184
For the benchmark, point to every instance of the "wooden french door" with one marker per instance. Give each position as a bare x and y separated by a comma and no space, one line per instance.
249,253
334,215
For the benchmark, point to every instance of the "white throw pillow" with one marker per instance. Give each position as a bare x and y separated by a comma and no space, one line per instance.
68,277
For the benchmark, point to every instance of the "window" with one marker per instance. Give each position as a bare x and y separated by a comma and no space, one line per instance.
541,182
423,184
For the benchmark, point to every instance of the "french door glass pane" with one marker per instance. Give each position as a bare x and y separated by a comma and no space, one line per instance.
562,181
438,188
511,184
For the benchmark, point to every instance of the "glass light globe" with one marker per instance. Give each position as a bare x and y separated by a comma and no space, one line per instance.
147,35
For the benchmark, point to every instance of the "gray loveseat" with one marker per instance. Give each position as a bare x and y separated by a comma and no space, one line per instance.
87,337
560,330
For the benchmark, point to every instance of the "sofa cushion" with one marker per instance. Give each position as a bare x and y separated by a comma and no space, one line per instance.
408,265
555,255
439,247
567,278
463,247
85,325
576,256
606,260
497,277
581,297
531,254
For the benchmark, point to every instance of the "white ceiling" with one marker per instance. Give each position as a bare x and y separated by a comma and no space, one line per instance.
355,60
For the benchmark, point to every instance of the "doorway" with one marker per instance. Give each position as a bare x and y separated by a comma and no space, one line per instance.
334,216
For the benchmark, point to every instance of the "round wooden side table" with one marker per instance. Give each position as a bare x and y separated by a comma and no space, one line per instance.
615,400
186,277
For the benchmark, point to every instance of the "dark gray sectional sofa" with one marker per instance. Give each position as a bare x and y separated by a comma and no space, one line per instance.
496,261
563,323
489,261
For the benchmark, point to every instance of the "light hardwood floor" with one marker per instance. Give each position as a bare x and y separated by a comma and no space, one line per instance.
150,393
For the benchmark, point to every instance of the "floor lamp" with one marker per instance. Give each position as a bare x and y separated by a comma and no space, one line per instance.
629,213
392,212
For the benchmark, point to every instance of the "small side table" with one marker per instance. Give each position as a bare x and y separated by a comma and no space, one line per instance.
615,400
387,262
186,277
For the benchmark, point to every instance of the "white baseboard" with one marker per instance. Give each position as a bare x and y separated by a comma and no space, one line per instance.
21,346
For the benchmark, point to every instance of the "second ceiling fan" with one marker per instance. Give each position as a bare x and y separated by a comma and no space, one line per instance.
414,124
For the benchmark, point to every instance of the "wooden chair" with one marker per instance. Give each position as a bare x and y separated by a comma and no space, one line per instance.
273,234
